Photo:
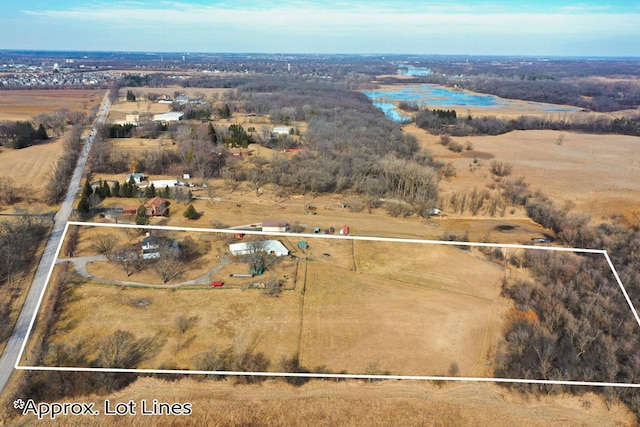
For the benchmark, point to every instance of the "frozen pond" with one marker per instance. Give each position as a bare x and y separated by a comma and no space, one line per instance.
391,111
433,96
414,71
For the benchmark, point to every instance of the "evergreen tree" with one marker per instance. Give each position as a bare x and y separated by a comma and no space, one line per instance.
42,133
213,136
225,112
87,190
131,190
115,191
83,206
190,213
141,216
150,191
131,96
124,189
166,193
106,191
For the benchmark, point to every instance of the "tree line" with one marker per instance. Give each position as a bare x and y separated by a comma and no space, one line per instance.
21,134
447,122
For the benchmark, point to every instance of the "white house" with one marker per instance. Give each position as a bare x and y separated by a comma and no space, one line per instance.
272,247
281,130
137,177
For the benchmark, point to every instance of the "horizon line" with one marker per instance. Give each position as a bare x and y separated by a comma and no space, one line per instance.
274,53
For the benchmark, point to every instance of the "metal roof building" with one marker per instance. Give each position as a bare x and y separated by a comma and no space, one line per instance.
168,117
273,247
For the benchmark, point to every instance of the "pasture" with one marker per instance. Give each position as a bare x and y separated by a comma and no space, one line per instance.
595,174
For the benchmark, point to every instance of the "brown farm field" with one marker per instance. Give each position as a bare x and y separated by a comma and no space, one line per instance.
357,306
596,174
24,104
30,166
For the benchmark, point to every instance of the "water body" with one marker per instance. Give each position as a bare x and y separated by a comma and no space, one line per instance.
414,71
432,96
391,111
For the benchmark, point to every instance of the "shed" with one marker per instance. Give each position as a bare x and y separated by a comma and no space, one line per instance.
129,210
275,226
344,230
303,245
316,230
217,284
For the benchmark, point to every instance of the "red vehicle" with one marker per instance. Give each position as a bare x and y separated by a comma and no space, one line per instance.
216,284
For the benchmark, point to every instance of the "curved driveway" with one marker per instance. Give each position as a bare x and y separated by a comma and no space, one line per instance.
80,265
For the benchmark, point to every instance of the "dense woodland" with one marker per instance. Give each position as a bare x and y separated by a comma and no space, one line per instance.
572,322
349,145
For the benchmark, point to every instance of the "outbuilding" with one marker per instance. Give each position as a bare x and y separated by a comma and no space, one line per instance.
272,247
275,226
168,117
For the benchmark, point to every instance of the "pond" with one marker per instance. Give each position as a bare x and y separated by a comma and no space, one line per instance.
433,96
412,71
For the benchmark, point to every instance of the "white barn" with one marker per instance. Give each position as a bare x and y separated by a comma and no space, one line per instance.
281,130
272,247
161,184
168,117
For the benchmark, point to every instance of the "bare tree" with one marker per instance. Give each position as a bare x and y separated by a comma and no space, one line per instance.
129,259
104,244
122,350
168,265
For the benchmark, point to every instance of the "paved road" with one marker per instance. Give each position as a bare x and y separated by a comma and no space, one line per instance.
10,355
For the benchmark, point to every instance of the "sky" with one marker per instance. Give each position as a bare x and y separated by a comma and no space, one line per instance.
469,27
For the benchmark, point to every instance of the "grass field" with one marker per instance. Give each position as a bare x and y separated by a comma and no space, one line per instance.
595,173
353,403
417,318
30,167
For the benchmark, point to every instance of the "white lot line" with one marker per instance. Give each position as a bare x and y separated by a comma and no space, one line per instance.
313,375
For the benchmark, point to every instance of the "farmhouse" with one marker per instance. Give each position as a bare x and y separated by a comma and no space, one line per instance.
275,226
137,177
153,246
168,117
272,247
157,207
